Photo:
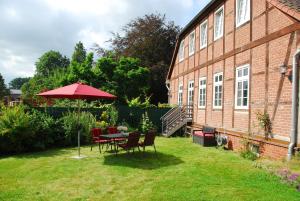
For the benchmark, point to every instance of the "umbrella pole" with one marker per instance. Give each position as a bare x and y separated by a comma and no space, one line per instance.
78,137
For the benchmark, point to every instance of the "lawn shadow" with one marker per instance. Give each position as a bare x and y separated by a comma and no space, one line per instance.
38,154
142,160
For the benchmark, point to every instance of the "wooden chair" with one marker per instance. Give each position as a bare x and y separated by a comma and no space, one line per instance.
132,142
149,140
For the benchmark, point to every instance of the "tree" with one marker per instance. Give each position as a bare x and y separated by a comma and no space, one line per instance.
51,61
18,82
124,77
79,54
151,39
3,89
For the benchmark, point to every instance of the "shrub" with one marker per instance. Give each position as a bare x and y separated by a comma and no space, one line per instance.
146,124
16,131
247,154
70,126
113,115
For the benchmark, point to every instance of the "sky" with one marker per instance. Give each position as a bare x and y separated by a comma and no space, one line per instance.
29,28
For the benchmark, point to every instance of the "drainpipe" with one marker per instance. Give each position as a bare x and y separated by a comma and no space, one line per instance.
294,105
168,87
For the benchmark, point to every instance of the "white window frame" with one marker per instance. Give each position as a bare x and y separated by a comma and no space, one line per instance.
199,94
247,13
216,37
219,83
242,79
188,91
192,41
203,45
181,51
180,94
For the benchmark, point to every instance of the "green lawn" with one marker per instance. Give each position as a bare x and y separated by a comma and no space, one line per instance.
180,171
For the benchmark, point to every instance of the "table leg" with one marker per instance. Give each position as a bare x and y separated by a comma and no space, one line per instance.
115,144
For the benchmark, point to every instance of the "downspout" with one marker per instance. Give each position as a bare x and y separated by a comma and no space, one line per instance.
168,87
295,92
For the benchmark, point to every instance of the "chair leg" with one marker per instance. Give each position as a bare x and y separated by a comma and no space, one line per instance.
144,148
92,147
99,148
139,149
154,148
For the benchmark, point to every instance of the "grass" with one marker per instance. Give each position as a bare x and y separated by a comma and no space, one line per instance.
180,171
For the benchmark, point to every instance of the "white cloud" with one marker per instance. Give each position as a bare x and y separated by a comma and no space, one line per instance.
31,27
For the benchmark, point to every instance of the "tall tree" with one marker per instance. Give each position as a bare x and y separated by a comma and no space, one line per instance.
3,89
50,61
79,54
124,77
18,82
150,38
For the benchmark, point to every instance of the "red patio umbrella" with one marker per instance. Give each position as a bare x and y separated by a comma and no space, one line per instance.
77,91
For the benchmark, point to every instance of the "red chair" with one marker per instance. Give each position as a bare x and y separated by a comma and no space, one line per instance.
114,130
149,140
132,142
96,138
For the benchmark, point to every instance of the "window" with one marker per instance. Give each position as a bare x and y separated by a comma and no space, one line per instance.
218,90
202,92
180,94
219,21
191,93
242,87
203,35
192,43
242,12
181,51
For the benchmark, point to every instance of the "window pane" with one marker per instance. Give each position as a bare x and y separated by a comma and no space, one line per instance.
245,101
216,79
239,102
240,73
220,78
245,71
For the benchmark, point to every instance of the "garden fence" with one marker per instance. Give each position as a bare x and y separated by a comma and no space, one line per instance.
130,115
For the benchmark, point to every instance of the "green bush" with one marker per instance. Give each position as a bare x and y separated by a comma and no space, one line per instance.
70,126
15,129
146,124
113,115
247,154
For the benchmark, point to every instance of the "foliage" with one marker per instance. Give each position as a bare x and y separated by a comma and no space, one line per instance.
79,54
3,89
137,102
50,61
247,154
71,125
165,105
15,129
265,123
113,115
81,71
40,83
146,124
124,77
18,82
151,39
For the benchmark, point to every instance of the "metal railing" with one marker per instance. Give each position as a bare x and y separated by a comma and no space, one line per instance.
175,119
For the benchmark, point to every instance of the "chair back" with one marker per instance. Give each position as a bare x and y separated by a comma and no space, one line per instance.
96,132
149,138
133,139
112,130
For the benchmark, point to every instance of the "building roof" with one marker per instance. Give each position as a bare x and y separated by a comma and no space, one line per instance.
15,92
290,7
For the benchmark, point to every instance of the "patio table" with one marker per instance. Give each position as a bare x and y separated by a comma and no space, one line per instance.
114,137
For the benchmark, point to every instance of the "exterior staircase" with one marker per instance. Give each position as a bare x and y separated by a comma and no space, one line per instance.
175,119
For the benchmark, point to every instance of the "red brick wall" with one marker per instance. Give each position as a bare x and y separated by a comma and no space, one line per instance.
268,90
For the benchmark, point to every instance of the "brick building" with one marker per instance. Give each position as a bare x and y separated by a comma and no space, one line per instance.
233,60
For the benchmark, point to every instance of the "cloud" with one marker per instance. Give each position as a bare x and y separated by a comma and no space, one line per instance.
31,27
